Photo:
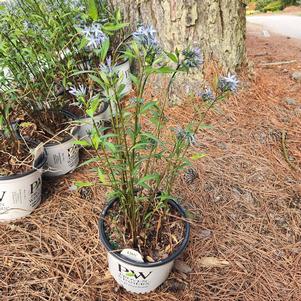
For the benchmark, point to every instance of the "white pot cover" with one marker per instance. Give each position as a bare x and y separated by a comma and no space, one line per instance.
62,158
137,279
20,195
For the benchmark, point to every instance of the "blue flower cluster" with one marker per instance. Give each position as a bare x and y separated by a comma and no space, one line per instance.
81,91
207,95
94,35
107,68
192,57
228,83
146,36
183,134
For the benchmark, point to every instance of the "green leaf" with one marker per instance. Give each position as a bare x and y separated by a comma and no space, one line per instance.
141,145
80,184
92,10
147,106
104,49
142,182
95,140
101,176
83,43
134,79
110,146
197,156
96,79
94,104
172,56
114,27
82,143
165,69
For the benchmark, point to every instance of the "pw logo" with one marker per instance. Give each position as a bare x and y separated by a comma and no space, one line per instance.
131,273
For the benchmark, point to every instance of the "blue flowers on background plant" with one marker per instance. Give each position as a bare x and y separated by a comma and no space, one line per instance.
228,83
94,36
146,36
207,95
187,136
81,91
193,57
107,68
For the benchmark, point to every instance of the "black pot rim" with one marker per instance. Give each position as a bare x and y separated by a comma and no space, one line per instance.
125,61
76,117
39,163
170,258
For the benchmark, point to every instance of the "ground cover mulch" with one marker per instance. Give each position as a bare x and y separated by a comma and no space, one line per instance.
245,206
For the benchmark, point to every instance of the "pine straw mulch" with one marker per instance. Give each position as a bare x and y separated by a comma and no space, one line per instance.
245,209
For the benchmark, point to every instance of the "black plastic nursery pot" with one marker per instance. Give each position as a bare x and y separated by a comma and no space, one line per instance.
136,276
21,193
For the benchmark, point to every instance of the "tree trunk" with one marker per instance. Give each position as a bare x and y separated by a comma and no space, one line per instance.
216,26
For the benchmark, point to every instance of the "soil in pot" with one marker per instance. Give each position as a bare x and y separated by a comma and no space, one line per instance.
15,158
159,237
46,126
54,129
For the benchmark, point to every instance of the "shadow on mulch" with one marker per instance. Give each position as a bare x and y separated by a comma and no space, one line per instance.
245,208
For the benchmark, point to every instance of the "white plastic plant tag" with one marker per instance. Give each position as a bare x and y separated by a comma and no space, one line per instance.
37,152
132,254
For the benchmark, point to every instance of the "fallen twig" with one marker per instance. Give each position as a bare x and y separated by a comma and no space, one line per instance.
278,63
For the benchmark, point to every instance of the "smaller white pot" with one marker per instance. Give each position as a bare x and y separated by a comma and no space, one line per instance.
62,158
86,125
123,71
21,194
136,276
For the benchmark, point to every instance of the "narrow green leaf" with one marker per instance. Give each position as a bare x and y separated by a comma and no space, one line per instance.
142,182
147,106
101,176
114,27
104,49
92,10
172,56
82,143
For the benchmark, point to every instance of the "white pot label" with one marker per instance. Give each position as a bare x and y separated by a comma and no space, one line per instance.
132,254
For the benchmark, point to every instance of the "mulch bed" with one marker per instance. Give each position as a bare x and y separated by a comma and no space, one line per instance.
245,207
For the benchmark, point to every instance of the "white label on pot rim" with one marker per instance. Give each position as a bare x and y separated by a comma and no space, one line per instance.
132,254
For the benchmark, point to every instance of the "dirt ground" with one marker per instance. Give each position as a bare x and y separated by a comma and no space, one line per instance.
245,207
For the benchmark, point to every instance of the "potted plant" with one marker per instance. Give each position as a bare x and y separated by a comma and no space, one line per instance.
36,73
21,163
98,38
143,227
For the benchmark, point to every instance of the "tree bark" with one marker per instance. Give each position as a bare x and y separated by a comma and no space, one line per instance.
216,26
